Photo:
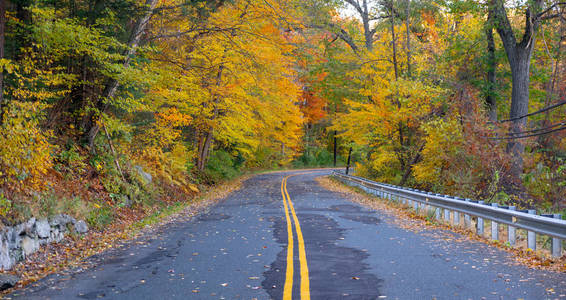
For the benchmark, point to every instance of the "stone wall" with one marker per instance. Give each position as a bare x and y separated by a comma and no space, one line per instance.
18,242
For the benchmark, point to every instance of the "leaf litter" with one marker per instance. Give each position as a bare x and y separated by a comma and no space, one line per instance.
70,255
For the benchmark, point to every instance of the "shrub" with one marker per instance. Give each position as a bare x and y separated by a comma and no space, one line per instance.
25,153
221,165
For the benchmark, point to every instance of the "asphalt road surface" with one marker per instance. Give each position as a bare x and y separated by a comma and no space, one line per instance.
242,248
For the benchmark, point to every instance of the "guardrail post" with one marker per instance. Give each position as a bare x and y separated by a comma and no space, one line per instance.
557,243
437,213
467,218
456,218
494,226
446,215
511,231
531,235
416,206
480,224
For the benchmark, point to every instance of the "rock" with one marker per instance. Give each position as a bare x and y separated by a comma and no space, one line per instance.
17,231
28,226
62,220
144,175
7,281
6,261
29,245
42,228
81,227
56,236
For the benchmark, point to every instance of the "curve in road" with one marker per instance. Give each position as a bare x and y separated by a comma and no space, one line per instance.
244,247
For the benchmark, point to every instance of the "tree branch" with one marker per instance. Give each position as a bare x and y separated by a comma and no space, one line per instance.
356,5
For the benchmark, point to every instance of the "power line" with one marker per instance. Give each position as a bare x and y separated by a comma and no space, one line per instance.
528,135
538,129
533,113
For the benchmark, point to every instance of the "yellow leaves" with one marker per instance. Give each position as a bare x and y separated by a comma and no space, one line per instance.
25,151
443,141
7,65
236,82
193,188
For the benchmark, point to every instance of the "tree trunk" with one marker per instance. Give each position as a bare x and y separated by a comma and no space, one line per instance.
409,170
112,86
206,139
2,31
393,42
519,56
408,32
519,105
363,11
204,150
368,34
490,99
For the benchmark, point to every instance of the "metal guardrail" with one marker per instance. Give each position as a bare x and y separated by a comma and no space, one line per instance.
551,225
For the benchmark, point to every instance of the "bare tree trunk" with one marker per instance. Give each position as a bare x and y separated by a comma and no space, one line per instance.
113,84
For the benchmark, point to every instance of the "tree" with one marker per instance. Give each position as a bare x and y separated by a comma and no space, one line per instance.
519,55
112,85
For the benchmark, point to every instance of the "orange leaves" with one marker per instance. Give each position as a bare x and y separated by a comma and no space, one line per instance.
312,106
172,117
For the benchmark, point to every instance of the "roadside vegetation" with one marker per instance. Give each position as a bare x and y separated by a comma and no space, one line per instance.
458,97
114,109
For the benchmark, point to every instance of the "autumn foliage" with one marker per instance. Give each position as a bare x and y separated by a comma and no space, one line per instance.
100,95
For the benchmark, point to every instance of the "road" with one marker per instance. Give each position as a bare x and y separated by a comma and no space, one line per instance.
242,248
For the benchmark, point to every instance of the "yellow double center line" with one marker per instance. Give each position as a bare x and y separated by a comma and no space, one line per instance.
305,284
